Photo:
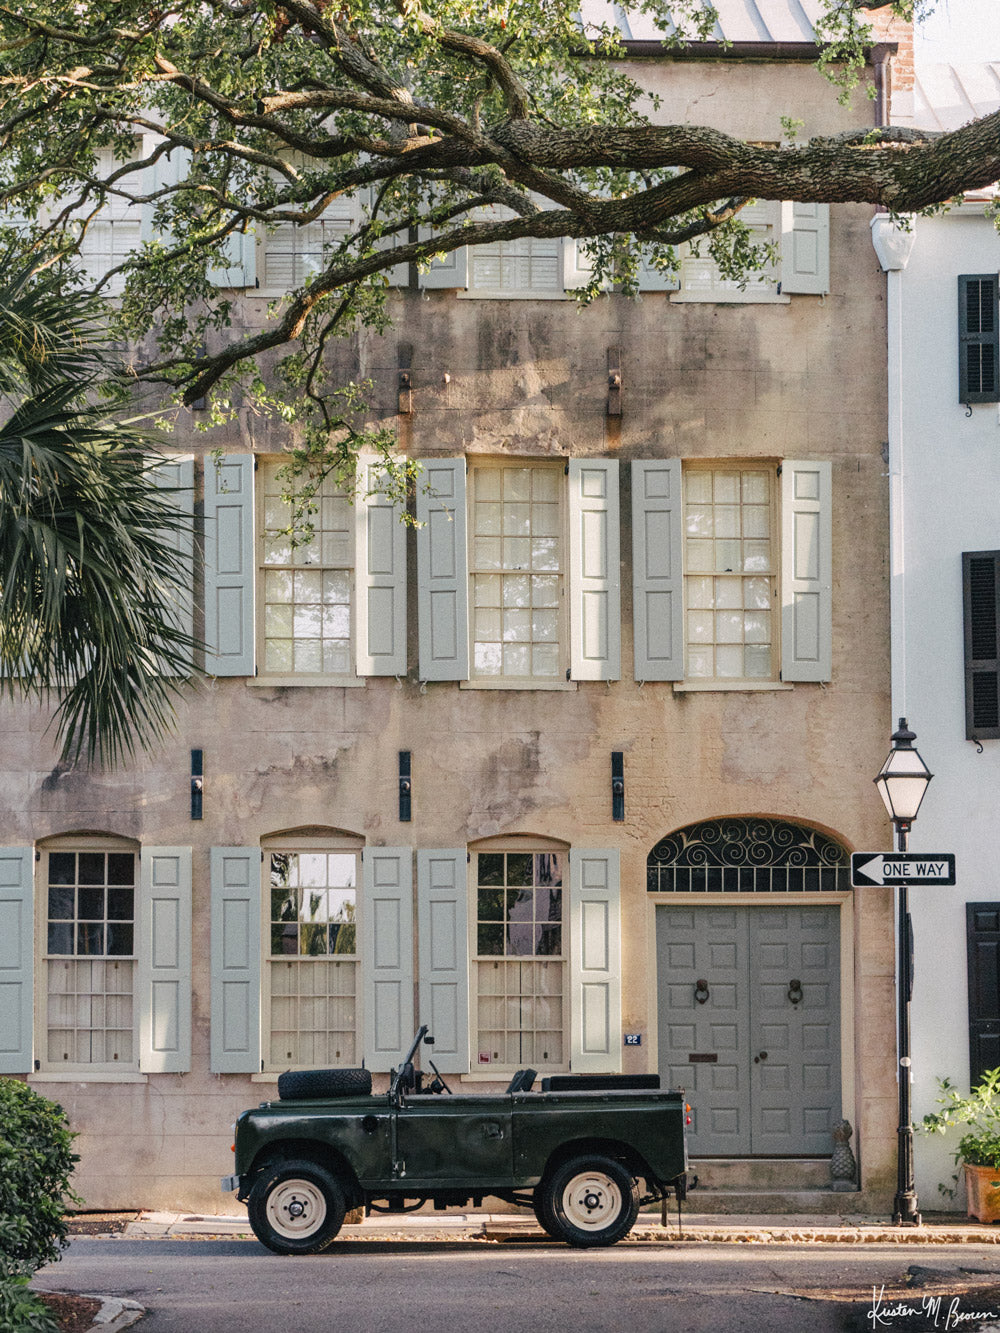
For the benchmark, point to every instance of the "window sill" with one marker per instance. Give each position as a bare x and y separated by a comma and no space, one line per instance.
736,298
89,1076
492,684
472,294
266,1077
505,1074
309,682
706,686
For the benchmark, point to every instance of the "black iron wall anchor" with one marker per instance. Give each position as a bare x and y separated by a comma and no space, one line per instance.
618,786
405,787
197,783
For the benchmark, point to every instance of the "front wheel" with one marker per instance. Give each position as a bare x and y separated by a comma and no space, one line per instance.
590,1201
296,1207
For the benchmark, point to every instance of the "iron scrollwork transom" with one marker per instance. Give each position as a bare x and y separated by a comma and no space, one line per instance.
749,856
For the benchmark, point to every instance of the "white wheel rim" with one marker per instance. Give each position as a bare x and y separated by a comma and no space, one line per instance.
592,1201
295,1209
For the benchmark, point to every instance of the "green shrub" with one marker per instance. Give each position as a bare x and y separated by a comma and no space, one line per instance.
979,1111
20,1309
36,1162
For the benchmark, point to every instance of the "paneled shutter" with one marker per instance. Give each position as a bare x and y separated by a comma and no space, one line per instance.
443,933
380,579
387,955
978,339
595,961
17,957
577,265
240,268
229,566
169,169
981,602
443,570
595,569
176,475
657,565
805,248
448,272
655,280
806,571
164,966
236,971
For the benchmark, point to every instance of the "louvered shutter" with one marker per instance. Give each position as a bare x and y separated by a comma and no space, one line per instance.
805,248
442,931
595,569
806,571
164,967
387,955
978,339
443,570
229,566
17,957
657,562
981,600
236,963
176,476
380,578
595,961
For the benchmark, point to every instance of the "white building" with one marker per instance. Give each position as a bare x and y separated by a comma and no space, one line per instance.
944,462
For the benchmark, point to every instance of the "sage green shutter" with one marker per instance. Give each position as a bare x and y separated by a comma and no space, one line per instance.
169,169
806,571
443,934
657,569
805,248
594,569
380,579
236,960
176,475
443,570
387,955
652,279
17,957
229,566
164,966
450,271
595,961
577,265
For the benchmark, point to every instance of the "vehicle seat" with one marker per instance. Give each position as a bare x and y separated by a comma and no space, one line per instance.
522,1080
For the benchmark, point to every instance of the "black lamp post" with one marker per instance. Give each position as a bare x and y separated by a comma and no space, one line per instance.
901,782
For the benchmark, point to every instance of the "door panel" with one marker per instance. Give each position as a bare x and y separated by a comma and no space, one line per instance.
758,1057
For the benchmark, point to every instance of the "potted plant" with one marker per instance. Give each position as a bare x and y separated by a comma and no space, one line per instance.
978,1151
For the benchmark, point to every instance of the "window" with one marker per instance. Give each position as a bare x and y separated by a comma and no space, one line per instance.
330,610
113,233
312,958
89,959
516,570
978,339
732,572
801,234
520,964
981,600
520,589
305,605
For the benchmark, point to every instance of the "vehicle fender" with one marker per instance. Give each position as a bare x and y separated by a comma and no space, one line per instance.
308,1150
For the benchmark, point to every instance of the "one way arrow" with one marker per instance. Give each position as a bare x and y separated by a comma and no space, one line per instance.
875,869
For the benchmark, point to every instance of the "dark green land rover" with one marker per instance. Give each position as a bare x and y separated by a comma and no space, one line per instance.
585,1152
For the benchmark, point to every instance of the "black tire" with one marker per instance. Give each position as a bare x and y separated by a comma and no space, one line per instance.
591,1201
300,1084
543,1215
296,1207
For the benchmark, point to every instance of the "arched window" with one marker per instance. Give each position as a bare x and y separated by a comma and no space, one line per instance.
750,854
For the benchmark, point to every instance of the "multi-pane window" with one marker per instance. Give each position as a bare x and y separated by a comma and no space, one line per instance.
730,563
516,566
520,959
114,231
529,265
90,958
306,578
312,902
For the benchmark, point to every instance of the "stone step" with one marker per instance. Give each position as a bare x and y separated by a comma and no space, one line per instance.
749,1174
767,1203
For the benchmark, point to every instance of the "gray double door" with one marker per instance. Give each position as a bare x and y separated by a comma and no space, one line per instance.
749,1025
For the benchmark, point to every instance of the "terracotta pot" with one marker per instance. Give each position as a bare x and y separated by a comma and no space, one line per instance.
982,1186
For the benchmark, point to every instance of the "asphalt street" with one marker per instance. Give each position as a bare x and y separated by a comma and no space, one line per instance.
226,1286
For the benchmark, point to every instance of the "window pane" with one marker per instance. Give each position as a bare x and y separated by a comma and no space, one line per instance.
61,899
91,867
519,868
90,904
489,939
62,867
121,868
491,868
60,938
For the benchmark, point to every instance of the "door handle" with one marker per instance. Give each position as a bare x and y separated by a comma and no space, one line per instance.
762,1056
795,991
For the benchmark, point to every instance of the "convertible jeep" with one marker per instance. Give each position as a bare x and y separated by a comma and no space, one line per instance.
585,1152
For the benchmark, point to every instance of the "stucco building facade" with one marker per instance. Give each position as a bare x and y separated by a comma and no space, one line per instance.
636,658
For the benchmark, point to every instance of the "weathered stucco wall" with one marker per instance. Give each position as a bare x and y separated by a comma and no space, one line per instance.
803,379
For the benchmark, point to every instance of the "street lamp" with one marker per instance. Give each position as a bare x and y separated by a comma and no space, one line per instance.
902,782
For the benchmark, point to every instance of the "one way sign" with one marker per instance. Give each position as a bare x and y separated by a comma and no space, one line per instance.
878,868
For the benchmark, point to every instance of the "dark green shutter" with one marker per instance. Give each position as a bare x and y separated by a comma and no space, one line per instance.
980,590
978,339
983,936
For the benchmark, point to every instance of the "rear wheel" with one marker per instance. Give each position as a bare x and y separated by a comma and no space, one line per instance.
591,1201
296,1207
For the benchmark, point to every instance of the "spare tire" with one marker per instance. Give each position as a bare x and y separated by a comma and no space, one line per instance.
298,1084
